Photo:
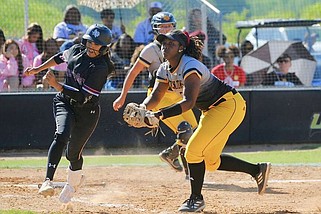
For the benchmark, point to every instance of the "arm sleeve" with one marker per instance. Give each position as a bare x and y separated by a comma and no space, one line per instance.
62,57
192,67
161,74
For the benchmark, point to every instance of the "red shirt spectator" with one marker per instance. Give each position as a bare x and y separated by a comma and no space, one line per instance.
230,73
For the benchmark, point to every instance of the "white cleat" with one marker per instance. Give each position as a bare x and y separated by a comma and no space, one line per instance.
66,194
74,180
47,188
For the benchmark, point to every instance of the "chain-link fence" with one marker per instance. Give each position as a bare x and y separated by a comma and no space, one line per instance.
272,43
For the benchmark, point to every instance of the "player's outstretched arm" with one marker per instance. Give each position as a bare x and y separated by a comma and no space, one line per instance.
44,66
128,82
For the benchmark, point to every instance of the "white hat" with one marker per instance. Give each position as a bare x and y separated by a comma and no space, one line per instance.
155,4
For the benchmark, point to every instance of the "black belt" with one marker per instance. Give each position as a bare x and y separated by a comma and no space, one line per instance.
74,103
223,99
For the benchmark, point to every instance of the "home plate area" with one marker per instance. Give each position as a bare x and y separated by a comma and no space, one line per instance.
158,189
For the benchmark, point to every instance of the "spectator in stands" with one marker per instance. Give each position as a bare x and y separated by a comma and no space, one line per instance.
71,27
195,23
2,77
50,48
2,39
144,33
237,54
69,43
31,45
202,36
281,76
121,53
107,17
227,71
246,47
12,65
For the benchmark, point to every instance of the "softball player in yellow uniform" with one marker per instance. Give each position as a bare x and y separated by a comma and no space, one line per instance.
151,58
223,110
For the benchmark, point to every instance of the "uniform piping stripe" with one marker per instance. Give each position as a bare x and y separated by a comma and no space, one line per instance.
68,87
191,71
146,63
160,79
230,119
82,148
91,90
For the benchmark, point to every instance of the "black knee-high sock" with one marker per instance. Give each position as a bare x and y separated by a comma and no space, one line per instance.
54,157
197,172
76,165
230,163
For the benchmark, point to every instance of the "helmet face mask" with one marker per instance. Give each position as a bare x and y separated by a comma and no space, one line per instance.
164,28
163,22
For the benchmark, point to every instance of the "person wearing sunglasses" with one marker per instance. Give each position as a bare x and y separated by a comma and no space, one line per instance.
281,75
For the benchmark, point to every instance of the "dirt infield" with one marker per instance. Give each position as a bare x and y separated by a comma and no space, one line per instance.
158,189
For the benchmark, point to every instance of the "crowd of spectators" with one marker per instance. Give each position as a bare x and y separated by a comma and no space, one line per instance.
32,49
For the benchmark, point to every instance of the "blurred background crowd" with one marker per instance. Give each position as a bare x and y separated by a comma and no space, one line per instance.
247,43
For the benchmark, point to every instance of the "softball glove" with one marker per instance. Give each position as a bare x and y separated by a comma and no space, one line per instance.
137,116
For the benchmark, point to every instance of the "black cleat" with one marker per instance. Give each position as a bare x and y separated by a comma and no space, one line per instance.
193,204
262,177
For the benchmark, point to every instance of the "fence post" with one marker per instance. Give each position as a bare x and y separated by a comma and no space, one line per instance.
26,13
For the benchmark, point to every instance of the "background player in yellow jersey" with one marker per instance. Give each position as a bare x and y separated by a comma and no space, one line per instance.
223,110
151,58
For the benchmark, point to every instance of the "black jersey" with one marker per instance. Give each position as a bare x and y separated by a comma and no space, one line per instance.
85,76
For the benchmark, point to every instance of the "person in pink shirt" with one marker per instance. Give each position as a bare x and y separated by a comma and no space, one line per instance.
2,39
227,71
31,44
50,48
12,65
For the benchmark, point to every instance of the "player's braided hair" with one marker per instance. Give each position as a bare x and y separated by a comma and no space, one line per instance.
194,48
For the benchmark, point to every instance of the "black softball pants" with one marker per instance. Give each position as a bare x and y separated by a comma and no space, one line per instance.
74,126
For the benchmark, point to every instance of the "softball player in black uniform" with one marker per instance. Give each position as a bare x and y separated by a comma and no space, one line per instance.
223,110
76,107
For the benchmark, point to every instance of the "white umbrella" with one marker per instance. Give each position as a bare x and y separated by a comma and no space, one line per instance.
263,60
99,5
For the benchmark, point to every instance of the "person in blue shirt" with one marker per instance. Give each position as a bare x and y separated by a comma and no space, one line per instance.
144,33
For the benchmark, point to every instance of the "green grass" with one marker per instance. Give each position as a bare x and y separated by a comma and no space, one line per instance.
16,212
308,156
283,157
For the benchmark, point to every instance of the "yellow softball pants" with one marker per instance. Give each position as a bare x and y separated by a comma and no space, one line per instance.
169,99
214,128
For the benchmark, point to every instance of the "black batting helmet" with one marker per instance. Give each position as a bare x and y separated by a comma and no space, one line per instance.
184,132
99,34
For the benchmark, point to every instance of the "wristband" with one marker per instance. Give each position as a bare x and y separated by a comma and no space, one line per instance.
159,115
171,111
